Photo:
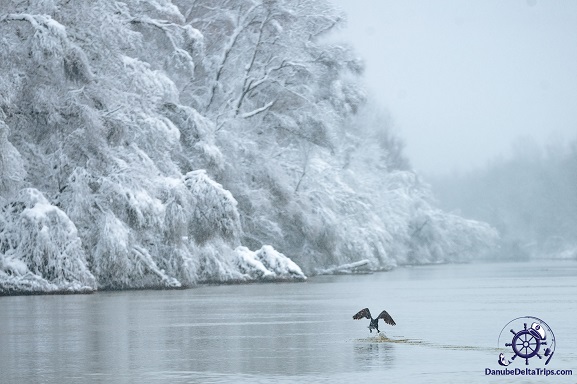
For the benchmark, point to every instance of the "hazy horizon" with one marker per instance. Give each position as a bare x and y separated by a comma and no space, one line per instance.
463,82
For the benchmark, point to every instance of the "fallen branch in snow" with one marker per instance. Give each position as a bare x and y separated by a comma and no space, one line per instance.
361,266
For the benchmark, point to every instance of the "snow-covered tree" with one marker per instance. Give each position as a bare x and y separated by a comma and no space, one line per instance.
158,143
40,247
12,172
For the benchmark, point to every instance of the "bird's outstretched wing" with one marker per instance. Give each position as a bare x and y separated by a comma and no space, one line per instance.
362,313
388,319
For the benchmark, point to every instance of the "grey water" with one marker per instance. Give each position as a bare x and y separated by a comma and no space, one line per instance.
448,317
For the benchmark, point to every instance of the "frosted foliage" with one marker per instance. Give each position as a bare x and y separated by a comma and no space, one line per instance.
196,135
155,85
121,263
158,143
12,171
111,263
223,263
267,263
214,209
40,247
339,224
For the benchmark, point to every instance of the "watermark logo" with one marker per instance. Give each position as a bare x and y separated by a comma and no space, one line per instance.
526,338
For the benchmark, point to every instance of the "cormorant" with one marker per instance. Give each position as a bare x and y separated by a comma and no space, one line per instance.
365,313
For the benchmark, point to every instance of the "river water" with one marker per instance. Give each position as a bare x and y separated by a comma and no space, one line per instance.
449,318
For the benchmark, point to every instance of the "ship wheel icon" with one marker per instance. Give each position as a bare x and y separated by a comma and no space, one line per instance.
528,342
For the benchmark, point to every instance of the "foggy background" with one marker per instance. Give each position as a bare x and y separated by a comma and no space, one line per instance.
484,94
463,81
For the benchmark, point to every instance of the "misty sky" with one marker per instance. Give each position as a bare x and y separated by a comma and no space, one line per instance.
464,80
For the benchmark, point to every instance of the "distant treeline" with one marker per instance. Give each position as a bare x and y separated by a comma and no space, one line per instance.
530,197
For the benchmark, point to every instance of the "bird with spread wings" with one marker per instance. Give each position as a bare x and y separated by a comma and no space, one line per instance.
365,313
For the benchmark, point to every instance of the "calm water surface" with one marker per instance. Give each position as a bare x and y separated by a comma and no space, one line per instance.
448,320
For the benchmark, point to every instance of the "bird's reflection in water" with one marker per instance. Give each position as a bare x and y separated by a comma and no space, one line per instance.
374,355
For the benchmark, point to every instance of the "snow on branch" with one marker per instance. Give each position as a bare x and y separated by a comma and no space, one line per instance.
41,250
50,38
215,209
12,171
164,25
268,264
257,111
39,22
144,257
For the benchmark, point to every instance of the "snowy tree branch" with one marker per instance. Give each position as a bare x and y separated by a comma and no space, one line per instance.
257,111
